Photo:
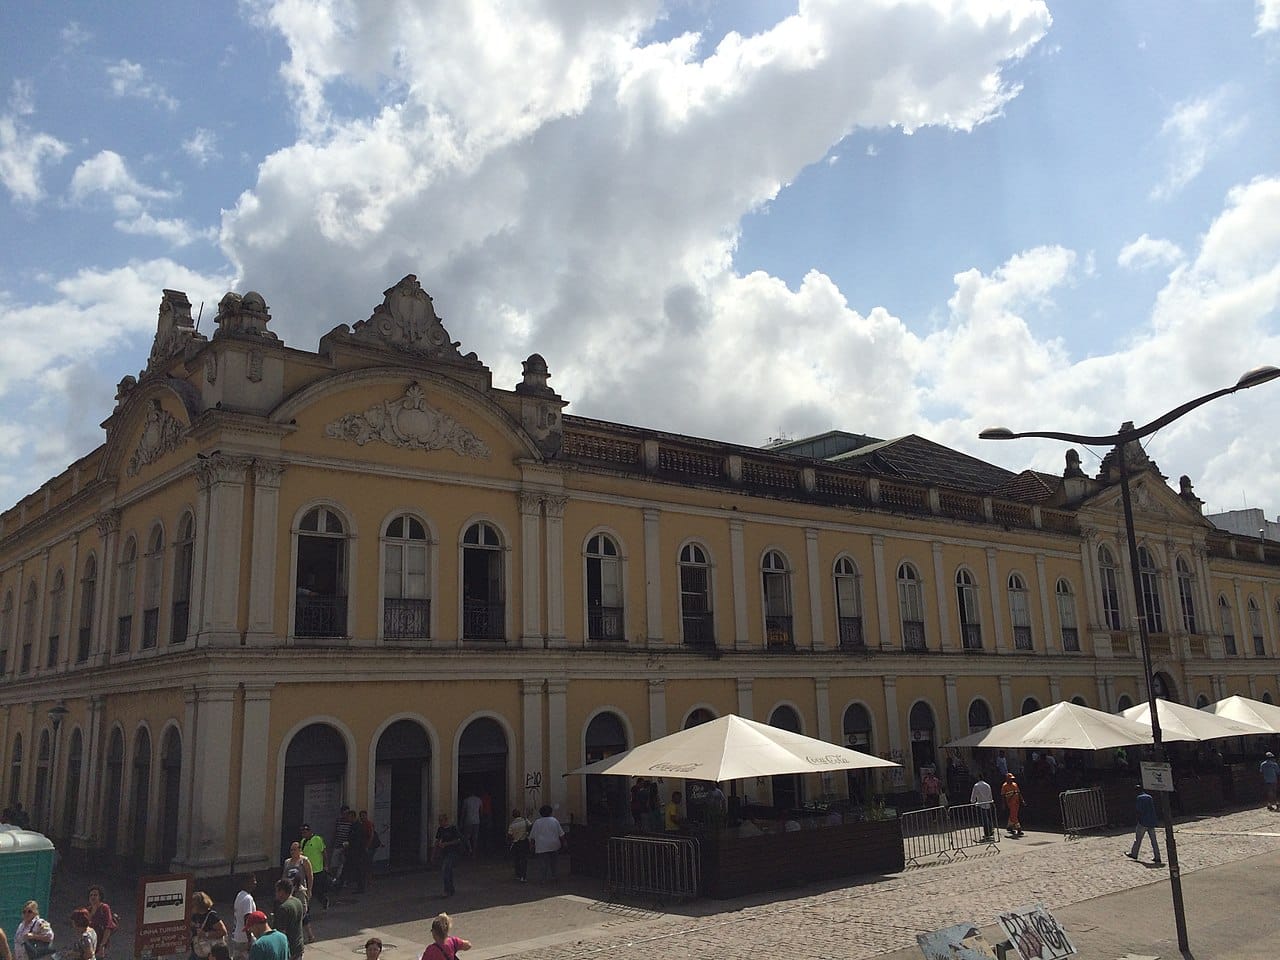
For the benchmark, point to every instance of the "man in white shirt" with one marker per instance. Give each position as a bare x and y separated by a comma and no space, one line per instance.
546,835
981,795
243,907
471,805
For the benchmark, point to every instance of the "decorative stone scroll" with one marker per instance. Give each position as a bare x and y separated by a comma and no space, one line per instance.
408,422
175,330
161,433
406,320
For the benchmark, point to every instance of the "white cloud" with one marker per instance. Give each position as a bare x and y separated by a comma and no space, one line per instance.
23,153
201,146
1148,251
107,173
1194,130
1268,16
74,36
130,80
179,233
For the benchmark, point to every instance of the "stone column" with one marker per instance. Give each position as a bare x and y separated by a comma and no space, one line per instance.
746,703
1244,629
813,573
41,638
557,741
995,592
224,479
186,775
210,795
944,587
657,709
737,555
109,530
87,816
530,585
1055,689
253,851
1104,695
264,564
822,704
1051,636
1090,589
1006,697
70,597
882,591
531,701
892,719
653,577
555,569
953,710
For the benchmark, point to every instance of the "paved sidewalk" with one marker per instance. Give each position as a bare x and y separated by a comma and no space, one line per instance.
1107,901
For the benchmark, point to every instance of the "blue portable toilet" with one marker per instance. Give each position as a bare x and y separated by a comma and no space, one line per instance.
26,873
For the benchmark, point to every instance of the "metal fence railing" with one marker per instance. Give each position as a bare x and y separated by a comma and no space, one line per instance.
665,868
1082,810
947,833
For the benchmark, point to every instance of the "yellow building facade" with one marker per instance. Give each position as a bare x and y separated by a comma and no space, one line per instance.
366,574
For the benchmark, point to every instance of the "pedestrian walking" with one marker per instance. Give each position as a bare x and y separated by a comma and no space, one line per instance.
1012,797
85,945
448,846
339,846
268,944
443,946
1147,821
981,797
313,848
287,918
547,837
207,927
518,845
1270,771
931,787
244,905
297,867
34,936
102,920
471,807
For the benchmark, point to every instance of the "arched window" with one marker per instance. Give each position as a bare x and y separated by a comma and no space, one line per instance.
15,771
911,607
606,797
1030,705
967,605
483,606
849,605
321,587
88,599
1149,576
57,597
604,589
1186,595
1079,701
183,564
6,631
127,574
1266,697
696,618
1228,628
406,581
1255,629
152,578
1067,616
30,611
1109,583
857,736
979,716
699,717
777,601
1020,613
1124,703
1201,702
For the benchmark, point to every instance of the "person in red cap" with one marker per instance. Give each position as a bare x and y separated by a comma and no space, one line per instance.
268,944
1012,798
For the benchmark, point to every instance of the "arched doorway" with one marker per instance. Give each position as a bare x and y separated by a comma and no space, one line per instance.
607,797
40,805
71,800
141,794
1030,705
482,770
1201,702
114,796
857,736
698,718
1124,703
170,781
1165,689
315,770
788,788
401,793
923,751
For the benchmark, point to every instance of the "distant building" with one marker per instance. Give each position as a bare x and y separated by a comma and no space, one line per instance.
290,579
1246,523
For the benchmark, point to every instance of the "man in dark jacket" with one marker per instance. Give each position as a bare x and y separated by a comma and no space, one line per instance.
1147,823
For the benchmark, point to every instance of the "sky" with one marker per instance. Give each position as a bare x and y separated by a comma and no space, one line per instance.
738,220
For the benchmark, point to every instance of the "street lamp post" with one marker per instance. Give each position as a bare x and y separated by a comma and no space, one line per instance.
1126,436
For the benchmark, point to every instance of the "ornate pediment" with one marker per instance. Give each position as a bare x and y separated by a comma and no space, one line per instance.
411,423
175,330
406,320
161,433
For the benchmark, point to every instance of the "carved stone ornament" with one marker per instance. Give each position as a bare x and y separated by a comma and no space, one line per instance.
408,422
406,320
221,468
174,329
211,368
161,433
108,522
254,373
247,315
555,505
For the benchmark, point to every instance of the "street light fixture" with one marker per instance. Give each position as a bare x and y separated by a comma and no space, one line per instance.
1129,434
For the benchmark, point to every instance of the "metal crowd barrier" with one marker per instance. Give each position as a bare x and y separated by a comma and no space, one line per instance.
946,833
665,868
1082,810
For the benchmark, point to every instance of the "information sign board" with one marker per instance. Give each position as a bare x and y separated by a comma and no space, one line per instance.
1157,776
1036,935
164,907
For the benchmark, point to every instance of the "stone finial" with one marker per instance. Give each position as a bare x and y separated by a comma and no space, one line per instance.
406,320
1188,494
536,376
1073,465
243,315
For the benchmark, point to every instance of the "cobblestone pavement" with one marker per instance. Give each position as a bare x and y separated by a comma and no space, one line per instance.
872,918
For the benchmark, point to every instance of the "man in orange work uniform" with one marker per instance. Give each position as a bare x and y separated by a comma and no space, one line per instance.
1012,797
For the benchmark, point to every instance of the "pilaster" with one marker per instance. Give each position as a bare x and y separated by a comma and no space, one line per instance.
531,588
210,796
1006,697
995,592
822,704
652,577
813,573
531,708
109,530
224,479
944,591
746,705
953,710
252,852
557,741
893,720
554,507
87,813
267,476
882,591
657,709
737,555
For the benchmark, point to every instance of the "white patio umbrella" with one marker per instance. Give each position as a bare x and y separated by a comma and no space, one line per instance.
732,748
1062,726
1253,712
1179,721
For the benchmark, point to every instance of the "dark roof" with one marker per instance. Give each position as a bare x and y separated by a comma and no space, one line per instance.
1029,486
919,460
